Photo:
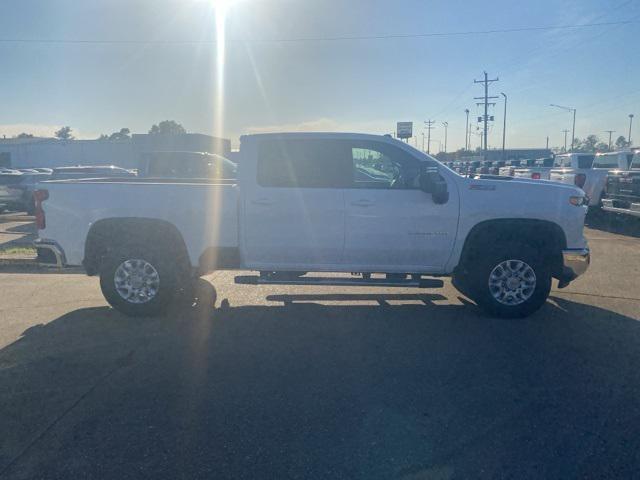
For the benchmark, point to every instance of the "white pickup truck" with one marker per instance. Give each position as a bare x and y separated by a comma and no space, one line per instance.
589,172
540,169
320,202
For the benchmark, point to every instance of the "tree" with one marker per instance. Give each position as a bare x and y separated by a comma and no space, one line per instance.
64,134
621,142
577,144
103,137
123,134
602,147
25,135
589,144
167,127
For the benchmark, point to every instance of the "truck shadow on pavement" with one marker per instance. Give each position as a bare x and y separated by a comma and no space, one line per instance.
305,390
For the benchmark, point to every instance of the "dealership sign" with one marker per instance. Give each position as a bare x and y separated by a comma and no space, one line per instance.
404,130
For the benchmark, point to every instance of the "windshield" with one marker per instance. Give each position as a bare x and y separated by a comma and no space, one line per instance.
606,161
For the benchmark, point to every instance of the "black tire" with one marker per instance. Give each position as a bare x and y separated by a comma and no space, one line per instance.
160,259
30,207
477,284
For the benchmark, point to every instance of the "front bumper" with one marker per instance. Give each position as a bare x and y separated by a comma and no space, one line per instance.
609,205
575,262
50,253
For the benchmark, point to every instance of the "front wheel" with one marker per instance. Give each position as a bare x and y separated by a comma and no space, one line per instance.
138,281
512,282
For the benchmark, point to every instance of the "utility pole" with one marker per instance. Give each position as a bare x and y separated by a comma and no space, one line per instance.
466,132
630,122
423,141
429,126
573,129
565,140
446,125
504,125
486,104
609,132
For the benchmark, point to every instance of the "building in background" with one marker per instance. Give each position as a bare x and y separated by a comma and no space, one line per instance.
48,152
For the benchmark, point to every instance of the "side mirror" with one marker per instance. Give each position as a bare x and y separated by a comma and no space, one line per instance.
431,182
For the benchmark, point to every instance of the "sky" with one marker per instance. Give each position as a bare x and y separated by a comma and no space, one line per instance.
98,66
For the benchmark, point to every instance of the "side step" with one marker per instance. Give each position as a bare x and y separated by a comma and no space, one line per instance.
337,281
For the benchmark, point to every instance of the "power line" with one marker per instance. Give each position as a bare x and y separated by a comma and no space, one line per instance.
390,36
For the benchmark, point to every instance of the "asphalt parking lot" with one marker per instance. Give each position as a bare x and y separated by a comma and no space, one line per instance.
276,382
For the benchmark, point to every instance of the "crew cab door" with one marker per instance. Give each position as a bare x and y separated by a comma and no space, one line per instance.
294,209
391,224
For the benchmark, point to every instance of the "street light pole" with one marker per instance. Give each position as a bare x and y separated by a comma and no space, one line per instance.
446,125
466,132
504,125
610,132
630,122
573,129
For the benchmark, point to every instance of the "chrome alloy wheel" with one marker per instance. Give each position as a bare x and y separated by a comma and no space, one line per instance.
512,282
137,281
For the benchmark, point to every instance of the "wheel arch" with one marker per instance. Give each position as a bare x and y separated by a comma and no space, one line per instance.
109,233
544,235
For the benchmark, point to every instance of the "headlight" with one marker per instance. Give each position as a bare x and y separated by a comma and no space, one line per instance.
577,201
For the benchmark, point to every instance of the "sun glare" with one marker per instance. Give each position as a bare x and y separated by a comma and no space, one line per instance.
222,6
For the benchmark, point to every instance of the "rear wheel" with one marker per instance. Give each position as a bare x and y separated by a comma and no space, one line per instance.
512,282
139,281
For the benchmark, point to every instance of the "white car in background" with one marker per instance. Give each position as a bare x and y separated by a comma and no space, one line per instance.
589,172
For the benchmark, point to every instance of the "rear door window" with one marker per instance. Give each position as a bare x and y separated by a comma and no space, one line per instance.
302,163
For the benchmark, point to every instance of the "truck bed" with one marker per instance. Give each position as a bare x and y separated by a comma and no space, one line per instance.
205,213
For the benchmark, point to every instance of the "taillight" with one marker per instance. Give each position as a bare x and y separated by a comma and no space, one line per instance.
535,176
40,196
579,180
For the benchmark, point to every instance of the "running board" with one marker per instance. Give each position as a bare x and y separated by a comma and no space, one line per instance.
340,282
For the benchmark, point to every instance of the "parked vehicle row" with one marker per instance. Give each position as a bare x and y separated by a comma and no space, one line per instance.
593,173
17,185
476,167
186,165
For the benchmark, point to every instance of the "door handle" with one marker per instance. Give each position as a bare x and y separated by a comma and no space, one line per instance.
362,203
262,201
